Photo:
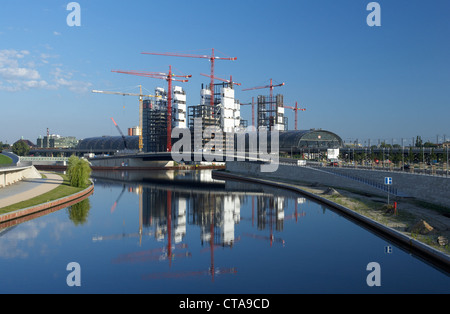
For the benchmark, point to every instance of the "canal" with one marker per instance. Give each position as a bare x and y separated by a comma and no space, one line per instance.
177,232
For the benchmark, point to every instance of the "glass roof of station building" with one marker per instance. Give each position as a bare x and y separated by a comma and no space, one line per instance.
314,138
109,143
301,139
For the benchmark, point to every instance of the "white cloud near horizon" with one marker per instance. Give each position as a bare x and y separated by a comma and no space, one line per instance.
18,74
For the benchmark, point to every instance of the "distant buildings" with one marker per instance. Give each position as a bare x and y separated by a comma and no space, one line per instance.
56,141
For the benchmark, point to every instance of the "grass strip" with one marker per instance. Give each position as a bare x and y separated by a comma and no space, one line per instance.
61,191
5,160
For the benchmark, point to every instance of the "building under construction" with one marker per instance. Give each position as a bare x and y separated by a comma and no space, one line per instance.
271,113
224,115
155,115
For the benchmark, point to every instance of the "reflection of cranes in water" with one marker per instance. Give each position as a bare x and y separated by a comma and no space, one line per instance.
270,238
117,200
211,271
158,254
296,214
124,235
209,211
121,236
263,211
275,209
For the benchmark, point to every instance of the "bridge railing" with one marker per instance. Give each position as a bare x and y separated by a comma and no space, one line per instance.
29,158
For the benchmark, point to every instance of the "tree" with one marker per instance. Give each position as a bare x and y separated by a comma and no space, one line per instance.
79,212
411,155
71,163
20,148
419,142
78,171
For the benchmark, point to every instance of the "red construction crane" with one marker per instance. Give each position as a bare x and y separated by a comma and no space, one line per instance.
253,110
169,77
230,81
212,58
296,109
120,131
270,86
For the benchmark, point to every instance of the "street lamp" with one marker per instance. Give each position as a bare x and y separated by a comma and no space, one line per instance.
447,162
403,156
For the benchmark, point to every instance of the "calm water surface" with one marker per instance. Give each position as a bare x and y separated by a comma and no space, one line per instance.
182,232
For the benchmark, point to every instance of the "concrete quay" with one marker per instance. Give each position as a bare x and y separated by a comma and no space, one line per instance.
28,188
431,189
11,175
251,173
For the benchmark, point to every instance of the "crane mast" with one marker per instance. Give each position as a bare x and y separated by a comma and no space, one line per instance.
140,95
169,77
212,58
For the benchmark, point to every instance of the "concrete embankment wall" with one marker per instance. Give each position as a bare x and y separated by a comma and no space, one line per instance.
116,162
14,174
21,215
440,259
427,188
434,189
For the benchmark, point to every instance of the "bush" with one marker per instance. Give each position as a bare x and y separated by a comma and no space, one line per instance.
78,171
20,148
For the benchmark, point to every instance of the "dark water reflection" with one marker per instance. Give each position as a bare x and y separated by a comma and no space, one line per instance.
182,232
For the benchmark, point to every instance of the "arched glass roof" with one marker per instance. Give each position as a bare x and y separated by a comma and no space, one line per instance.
309,139
109,143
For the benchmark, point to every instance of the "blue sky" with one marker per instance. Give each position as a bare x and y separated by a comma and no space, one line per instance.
387,82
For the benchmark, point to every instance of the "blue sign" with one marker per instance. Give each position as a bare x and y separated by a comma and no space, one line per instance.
388,180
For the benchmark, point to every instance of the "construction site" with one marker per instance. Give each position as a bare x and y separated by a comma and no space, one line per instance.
218,109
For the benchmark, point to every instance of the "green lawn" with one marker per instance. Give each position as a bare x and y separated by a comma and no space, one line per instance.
61,191
5,160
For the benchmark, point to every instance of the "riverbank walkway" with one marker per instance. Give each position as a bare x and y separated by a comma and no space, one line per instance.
28,188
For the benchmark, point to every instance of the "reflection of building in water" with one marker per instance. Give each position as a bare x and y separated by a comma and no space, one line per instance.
270,211
216,214
155,209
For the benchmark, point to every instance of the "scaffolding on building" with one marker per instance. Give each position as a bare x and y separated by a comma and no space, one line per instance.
271,113
154,125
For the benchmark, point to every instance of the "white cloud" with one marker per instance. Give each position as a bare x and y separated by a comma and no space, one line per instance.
56,33
17,74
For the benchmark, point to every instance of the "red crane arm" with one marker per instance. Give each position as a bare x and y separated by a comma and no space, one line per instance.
172,54
293,108
261,87
157,75
220,79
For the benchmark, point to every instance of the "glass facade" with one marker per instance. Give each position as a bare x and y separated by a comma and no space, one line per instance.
109,143
315,139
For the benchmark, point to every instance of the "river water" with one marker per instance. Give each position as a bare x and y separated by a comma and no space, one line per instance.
177,232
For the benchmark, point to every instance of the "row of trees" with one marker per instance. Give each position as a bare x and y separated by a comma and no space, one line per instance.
408,157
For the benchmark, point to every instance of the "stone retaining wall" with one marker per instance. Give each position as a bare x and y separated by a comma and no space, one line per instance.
11,175
431,189
58,203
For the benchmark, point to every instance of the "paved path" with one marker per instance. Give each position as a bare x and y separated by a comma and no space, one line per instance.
28,188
